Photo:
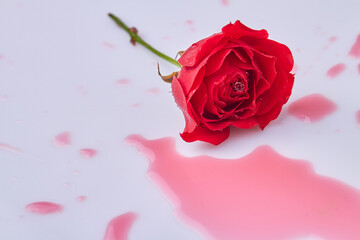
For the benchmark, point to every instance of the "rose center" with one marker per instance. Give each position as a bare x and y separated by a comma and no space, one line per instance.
238,86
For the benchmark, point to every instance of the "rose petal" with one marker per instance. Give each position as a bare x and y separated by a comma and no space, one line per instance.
191,78
265,119
215,61
180,100
199,99
279,92
244,123
198,51
282,53
203,134
265,65
238,30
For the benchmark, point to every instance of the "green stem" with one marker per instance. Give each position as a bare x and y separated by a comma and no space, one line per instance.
142,42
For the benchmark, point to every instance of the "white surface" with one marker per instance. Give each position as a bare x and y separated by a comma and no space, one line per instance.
57,75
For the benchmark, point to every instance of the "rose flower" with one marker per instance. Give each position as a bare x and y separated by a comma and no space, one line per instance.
236,78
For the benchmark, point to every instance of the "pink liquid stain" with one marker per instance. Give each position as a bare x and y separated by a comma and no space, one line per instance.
135,105
123,82
4,97
355,50
260,196
62,139
1,57
81,198
153,91
312,108
109,45
335,70
225,2
7,147
44,208
165,38
358,68
88,152
358,117
82,90
189,22
332,39
119,227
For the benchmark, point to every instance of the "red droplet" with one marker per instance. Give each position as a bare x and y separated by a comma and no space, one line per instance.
122,82
260,196
154,91
358,117
109,45
81,198
355,50
225,2
88,152
312,108
9,148
332,39
336,70
119,227
44,207
63,139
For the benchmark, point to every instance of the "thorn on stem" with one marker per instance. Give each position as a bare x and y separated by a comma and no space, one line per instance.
133,30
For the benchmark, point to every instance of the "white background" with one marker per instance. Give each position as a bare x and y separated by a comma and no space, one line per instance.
58,73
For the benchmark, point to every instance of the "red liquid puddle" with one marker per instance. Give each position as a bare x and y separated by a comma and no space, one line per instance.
88,152
358,117
7,147
122,82
355,50
119,227
260,196
154,91
312,108
44,207
336,70
63,139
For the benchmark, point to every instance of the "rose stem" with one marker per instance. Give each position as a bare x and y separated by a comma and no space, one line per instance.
139,40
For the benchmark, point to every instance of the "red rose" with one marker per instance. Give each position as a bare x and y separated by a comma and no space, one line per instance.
237,78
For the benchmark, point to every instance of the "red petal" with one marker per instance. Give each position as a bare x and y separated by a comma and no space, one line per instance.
265,119
238,30
203,134
198,51
278,93
284,58
180,100
190,79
